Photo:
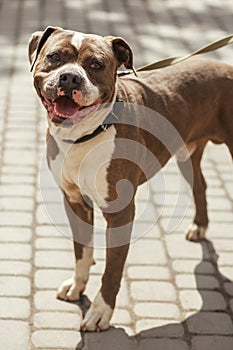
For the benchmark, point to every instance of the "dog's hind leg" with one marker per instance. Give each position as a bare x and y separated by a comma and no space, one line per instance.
80,215
196,231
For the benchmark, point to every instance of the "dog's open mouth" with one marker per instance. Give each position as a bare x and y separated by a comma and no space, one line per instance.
65,110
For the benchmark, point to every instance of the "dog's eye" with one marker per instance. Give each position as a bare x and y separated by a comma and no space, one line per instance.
54,57
95,65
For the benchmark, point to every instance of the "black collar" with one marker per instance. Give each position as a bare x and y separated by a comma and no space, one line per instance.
109,120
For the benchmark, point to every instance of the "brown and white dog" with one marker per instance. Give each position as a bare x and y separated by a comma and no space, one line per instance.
75,76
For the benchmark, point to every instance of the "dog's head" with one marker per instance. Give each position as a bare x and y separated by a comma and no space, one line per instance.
74,73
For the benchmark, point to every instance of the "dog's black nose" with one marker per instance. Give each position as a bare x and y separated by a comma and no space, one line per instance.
70,81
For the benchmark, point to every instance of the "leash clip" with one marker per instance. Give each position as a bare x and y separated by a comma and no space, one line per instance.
104,127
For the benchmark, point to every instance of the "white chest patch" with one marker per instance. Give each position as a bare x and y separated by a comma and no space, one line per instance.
85,165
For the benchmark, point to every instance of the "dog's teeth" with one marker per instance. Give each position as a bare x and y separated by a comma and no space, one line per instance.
62,115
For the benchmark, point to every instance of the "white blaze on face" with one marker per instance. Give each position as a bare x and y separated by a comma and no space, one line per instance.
77,39
91,91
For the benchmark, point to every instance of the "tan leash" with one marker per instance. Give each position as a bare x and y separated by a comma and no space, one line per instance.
173,60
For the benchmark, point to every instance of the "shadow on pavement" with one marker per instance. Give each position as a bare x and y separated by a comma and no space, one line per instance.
206,328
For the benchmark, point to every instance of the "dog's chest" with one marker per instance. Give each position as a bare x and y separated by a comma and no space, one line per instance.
84,167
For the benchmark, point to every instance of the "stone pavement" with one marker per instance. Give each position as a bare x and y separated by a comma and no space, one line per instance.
175,295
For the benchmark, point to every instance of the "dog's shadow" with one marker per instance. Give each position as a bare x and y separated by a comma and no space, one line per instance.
203,330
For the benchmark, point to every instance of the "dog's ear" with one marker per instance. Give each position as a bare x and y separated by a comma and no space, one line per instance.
123,52
36,43
32,45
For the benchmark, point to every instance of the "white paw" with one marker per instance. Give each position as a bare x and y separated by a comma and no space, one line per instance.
71,289
98,316
196,233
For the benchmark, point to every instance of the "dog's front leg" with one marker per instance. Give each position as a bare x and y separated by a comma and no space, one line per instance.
119,226
80,216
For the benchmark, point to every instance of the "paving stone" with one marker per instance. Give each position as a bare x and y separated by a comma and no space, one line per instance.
179,248
231,304
115,338
15,286
152,291
55,259
225,259
226,271
52,339
17,190
190,299
48,193
220,230
147,229
223,245
54,320
13,251
48,231
219,202
161,344
13,218
145,212
159,328
19,204
153,253
18,234
215,192
148,273
48,213
19,170
50,279
14,308
42,216
54,244
14,335
121,317
212,342
228,286
190,266
46,301
185,281
19,157
210,323
15,268
164,310
212,301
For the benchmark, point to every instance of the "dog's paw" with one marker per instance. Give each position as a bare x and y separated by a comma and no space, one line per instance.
98,316
196,233
71,289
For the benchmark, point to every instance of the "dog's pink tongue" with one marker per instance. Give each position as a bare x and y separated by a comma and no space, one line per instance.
65,106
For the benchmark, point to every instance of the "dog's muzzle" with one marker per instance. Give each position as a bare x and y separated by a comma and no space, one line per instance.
64,110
